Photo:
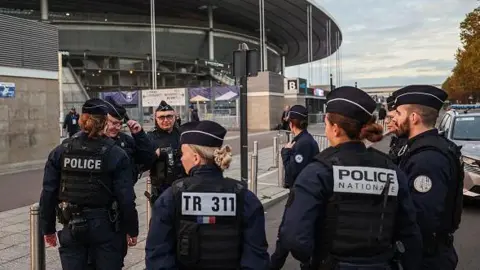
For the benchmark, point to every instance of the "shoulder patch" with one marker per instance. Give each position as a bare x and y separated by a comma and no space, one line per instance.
298,158
422,183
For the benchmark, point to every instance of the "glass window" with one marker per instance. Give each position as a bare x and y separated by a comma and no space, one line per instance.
466,128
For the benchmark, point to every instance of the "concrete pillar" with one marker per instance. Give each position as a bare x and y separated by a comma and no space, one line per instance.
44,9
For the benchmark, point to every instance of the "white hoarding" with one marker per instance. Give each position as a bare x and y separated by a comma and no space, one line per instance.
173,96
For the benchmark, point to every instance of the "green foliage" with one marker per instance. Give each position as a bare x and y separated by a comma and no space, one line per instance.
465,79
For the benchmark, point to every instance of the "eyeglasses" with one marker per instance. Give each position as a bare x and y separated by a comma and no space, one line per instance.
115,124
166,117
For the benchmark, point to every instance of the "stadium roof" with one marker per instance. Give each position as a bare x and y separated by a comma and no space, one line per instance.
285,20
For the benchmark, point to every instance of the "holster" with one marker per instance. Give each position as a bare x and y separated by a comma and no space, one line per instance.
114,215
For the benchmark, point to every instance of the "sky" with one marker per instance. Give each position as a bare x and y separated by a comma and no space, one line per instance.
392,42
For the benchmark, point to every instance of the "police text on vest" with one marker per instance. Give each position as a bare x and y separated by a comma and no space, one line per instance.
82,163
364,180
209,204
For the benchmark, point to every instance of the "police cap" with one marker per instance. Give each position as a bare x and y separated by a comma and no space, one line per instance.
203,133
114,109
95,106
390,102
164,107
351,102
426,95
298,112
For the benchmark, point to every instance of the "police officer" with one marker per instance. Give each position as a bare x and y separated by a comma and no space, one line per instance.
166,140
397,142
351,206
206,221
137,146
87,184
435,174
295,156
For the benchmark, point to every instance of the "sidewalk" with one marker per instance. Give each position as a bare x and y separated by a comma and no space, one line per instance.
15,230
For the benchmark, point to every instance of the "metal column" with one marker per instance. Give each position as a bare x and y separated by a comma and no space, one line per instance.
309,42
211,52
329,47
261,12
37,244
283,65
337,55
44,9
153,43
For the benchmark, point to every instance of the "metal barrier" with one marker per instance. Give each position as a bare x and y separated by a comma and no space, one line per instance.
37,244
254,168
322,141
149,207
275,152
253,173
281,170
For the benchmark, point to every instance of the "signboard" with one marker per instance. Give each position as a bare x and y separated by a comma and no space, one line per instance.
124,98
173,96
318,92
7,90
302,86
291,86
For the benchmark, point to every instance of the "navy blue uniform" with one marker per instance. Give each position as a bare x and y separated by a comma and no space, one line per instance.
140,150
431,178
161,245
167,167
307,211
103,242
296,158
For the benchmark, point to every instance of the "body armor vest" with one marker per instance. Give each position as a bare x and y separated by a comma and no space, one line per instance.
360,216
453,206
208,223
84,179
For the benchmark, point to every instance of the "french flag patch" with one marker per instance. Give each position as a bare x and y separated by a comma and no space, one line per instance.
205,220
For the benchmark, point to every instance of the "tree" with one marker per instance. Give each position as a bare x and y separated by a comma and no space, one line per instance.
465,79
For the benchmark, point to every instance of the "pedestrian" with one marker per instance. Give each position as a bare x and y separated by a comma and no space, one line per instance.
350,208
166,167
87,184
70,123
397,141
206,221
434,171
295,156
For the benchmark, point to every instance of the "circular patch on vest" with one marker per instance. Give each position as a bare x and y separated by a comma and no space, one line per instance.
122,144
422,184
299,158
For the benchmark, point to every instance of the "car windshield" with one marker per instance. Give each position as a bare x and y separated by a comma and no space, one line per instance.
466,128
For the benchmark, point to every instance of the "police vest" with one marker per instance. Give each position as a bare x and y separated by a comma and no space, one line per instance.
360,216
167,169
84,179
453,205
208,223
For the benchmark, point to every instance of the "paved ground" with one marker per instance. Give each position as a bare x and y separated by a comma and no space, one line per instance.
467,238
14,225
21,189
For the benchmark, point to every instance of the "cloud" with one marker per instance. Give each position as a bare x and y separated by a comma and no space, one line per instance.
393,42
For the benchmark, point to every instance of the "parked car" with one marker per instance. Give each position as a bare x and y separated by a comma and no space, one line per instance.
461,124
